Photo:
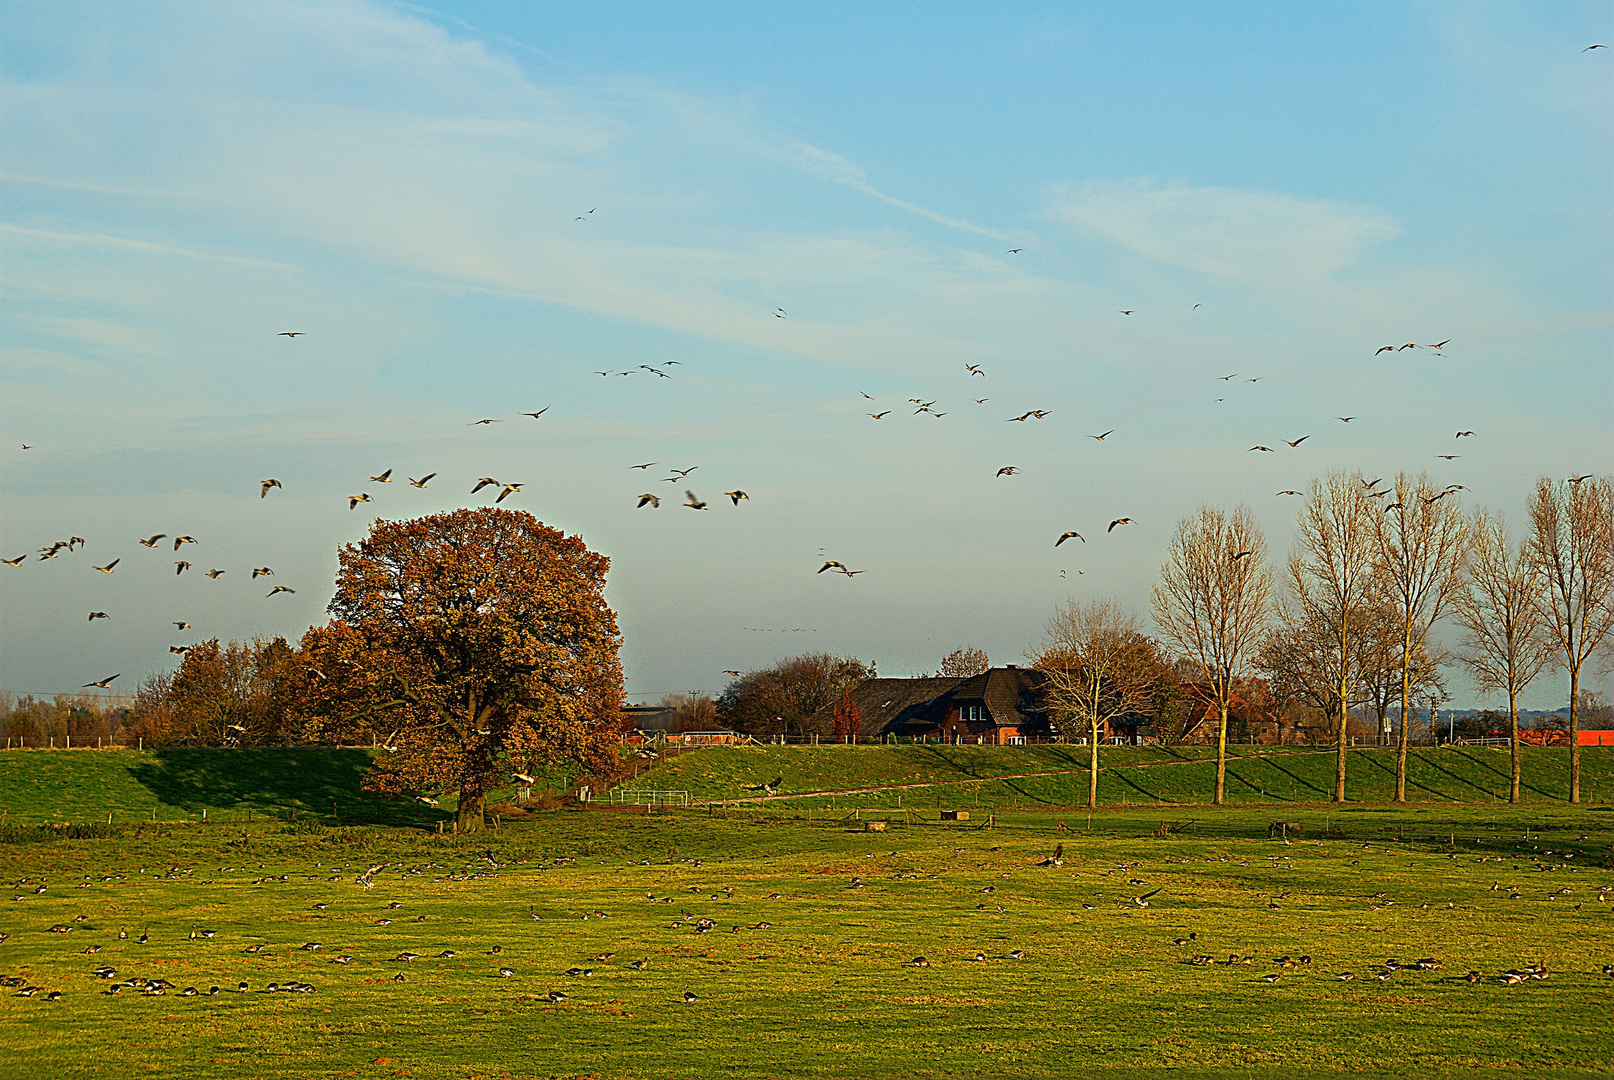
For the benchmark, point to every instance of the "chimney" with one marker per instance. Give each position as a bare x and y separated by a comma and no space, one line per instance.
1009,666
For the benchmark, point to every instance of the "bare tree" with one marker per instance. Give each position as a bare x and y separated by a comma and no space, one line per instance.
1212,602
1422,546
1504,645
1330,576
1098,666
1572,545
962,663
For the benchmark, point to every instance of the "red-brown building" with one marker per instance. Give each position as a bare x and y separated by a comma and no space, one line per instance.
999,707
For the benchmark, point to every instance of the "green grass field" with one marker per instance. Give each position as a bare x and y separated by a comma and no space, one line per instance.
817,982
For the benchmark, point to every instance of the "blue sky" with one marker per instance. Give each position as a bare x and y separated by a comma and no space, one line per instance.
401,183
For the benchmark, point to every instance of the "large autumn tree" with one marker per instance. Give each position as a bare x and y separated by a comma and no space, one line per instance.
472,643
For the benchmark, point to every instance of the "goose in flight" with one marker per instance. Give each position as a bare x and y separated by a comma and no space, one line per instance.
1298,441
1384,349
508,488
18,561
1118,521
355,500
1007,470
1441,345
107,569
180,566
279,589
181,625
1346,419
215,574
1067,535
1448,457
384,478
1019,419
975,369
97,615
981,400
536,415
265,485
833,565
1463,434
290,333
178,540
422,481
104,683
1229,378
152,542
880,415
482,482
693,503
1578,479
179,650
1289,491
476,423
262,571
1268,449
1016,251
1126,313
737,495
1101,438
1242,555
646,465
653,501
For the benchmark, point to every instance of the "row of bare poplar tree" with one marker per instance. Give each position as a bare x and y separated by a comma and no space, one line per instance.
1369,566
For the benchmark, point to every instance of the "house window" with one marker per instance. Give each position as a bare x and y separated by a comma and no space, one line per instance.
966,713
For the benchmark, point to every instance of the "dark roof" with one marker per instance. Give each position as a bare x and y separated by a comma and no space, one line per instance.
907,706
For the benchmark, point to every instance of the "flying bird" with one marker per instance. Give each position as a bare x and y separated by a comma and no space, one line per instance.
97,615
279,589
107,569
1442,344
1007,470
215,574
655,503
1464,434
1589,48
14,562
1118,521
104,683
832,565
178,540
1229,378
981,400
290,333
1016,251
880,415
1384,349
1346,419
1067,535
692,502
151,543
536,415
975,369
1578,479
179,649
355,500
1286,492
508,488
1268,449
737,495
182,625
476,423
646,465
482,482
262,571
1298,441
1448,457
180,566
422,481
265,485
384,478
1242,555
1126,313
1104,436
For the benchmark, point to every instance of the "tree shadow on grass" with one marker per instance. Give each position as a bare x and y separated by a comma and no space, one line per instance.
322,781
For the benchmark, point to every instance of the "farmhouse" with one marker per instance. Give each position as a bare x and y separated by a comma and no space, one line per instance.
999,707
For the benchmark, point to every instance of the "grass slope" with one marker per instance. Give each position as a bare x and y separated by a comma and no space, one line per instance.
999,777
818,981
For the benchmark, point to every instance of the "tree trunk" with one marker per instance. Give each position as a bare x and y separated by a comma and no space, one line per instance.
1513,741
1574,734
473,804
1092,773
1401,752
1221,755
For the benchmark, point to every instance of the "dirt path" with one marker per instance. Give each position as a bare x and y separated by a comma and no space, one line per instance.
1005,776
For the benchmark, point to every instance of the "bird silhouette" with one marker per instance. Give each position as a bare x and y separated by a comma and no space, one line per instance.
1268,449
355,500
1463,434
1007,470
215,574
422,481
103,683
737,495
180,566
262,571
181,625
1104,436
152,541
97,615
880,415
1067,535
476,423
482,482
107,569
652,500
265,485
290,333
18,561
1290,492
178,540
536,415
508,488
646,465
384,478
832,565
1298,441
693,503
1118,521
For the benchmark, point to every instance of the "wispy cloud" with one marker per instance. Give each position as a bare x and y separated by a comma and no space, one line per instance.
103,240
1232,234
